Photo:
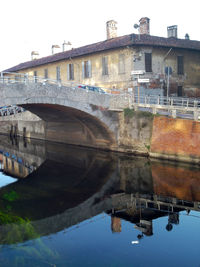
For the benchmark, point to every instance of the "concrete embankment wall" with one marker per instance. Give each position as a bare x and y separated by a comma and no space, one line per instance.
23,124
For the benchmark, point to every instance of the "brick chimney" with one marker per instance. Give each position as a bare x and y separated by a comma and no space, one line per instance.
144,27
111,29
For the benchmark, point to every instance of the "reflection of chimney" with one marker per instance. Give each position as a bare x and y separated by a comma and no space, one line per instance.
53,48
111,28
65,45
115,224
34,55
144,27
172,31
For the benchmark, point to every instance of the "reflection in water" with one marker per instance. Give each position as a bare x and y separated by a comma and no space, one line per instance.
60,187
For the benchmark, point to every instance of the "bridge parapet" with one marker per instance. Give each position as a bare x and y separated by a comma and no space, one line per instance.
18,88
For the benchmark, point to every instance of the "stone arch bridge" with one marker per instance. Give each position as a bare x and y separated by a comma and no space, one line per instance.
71,115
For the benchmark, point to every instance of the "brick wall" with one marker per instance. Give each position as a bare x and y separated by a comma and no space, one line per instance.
176,139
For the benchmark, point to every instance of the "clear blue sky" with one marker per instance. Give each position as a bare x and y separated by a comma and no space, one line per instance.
28,25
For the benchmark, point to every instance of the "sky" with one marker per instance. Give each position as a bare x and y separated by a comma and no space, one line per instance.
28,25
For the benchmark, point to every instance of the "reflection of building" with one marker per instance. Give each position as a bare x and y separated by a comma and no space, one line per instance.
16,167
145,226
1,159
116,224
142,209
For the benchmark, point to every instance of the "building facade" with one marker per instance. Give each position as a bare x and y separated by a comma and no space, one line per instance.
113,63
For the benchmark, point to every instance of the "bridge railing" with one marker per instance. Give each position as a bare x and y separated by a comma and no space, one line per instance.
176,106
11,77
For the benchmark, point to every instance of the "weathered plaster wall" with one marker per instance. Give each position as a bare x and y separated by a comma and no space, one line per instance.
135,131
114,79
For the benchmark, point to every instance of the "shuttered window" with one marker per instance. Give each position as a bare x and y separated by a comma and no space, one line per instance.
46,73
35,76
121,63
58,78
104,65
148,62
86,69
70,72
180,65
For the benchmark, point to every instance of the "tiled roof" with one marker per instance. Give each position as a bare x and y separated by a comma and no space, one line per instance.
118,42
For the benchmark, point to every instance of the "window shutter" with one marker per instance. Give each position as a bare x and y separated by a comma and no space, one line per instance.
104,65
72,71
68,78
148,62
89,69
180,68
83,70
121,64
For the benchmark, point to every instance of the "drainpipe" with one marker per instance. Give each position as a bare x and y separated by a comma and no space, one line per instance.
166,55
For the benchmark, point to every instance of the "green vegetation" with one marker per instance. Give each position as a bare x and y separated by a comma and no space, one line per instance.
11,196
147,147
129,112
139,114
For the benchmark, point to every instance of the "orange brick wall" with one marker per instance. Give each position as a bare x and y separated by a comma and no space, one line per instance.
176,137
176,181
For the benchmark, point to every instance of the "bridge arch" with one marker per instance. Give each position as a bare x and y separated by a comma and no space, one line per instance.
72,126
71,115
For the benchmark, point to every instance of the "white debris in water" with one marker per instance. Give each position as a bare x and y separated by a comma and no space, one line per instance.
135,242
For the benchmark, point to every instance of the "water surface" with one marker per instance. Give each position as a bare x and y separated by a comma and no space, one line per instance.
67,206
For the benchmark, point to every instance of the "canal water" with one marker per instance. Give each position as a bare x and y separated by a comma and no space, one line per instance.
69,206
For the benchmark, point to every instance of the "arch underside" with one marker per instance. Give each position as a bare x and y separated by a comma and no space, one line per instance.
72,126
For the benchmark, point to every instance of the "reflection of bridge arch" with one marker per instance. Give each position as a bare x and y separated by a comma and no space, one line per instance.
67,188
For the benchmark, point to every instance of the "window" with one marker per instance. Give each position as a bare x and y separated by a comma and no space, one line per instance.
121,63
58,74
104,65
70,72
180,68
180,91
86,69
148,62
46,73
35,76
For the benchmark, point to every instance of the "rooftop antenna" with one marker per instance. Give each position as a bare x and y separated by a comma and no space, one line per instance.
136,26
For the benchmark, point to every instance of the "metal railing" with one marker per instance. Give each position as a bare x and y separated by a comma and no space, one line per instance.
175,102
11,77
10,110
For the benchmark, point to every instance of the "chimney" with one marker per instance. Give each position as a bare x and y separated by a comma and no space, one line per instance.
66,46
172,31
111,28
53,48
144,27
187,37
34,55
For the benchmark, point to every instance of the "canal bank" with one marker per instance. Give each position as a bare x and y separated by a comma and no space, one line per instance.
136,133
